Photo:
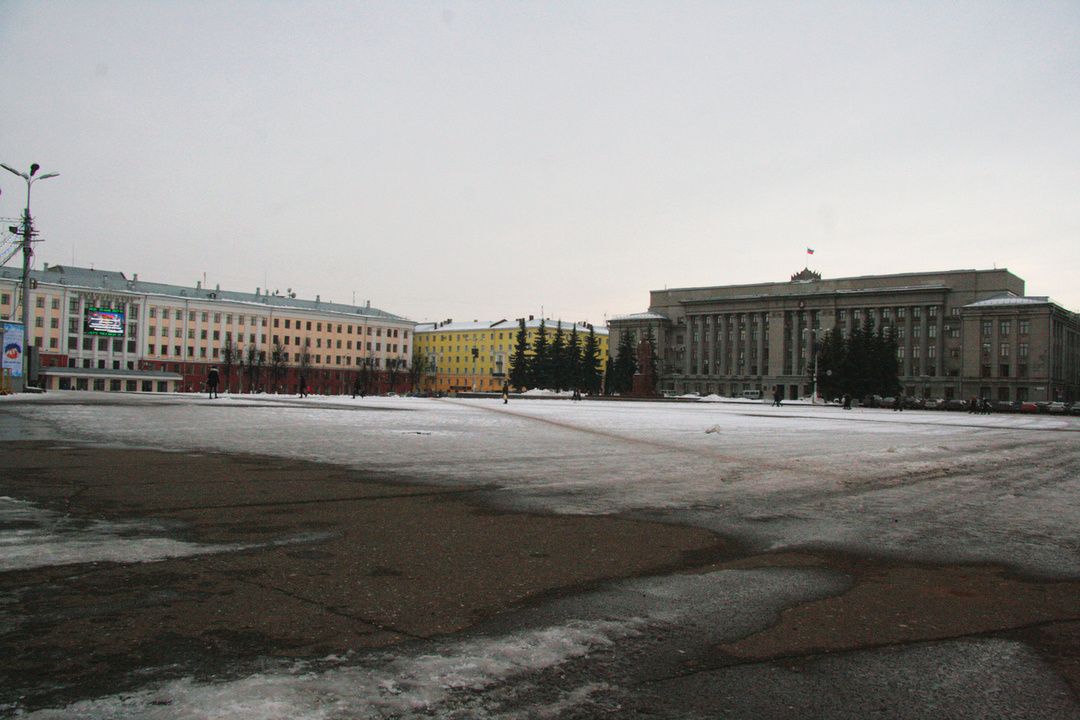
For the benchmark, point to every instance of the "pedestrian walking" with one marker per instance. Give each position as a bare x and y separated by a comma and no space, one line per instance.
777,396
212,380
506,393
303,387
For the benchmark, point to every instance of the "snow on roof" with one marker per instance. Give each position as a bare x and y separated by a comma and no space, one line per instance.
530,324
641,316
1010,299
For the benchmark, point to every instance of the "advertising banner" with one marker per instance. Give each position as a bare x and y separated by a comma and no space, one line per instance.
13,348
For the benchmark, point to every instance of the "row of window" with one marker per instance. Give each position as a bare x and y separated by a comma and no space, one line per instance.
1023,326
1005,349
215,354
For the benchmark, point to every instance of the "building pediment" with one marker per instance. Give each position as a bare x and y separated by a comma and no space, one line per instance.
806,275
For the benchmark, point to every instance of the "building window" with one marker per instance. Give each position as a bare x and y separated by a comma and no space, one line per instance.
987,328
1022,349
1023,327
1004,350
40,302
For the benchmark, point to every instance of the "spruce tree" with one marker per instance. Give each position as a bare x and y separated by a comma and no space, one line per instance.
540,364
571,370
557,360
519,363
592,380
625,365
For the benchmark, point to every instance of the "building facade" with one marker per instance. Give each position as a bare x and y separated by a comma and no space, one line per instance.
94,329
476,356
726,340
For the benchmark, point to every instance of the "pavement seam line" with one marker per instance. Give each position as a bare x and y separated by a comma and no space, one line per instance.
358,618
870,647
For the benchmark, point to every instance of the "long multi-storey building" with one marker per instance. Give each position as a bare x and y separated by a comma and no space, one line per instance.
960,334
475,356
95,329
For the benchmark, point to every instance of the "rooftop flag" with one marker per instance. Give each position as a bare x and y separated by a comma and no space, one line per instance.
809,251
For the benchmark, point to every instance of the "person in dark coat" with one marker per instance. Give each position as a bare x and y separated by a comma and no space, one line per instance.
212,380
303,387
506,393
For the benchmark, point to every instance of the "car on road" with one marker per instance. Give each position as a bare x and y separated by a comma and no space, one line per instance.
1056,407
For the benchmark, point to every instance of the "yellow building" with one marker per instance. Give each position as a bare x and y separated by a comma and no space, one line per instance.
476,356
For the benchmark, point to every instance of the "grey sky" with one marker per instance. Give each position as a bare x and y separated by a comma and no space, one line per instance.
487,160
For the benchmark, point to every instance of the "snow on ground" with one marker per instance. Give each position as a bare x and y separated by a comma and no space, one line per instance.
939,485
923,485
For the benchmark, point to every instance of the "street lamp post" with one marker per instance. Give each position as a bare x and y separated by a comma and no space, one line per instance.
27,252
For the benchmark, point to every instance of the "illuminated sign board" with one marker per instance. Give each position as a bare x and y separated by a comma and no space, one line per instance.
104,322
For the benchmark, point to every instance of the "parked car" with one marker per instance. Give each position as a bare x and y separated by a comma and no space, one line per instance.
933,404
955,404
1074,409
1029,407
1056,407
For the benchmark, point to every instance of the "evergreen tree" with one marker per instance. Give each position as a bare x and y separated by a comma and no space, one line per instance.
540,364
519,363
557,360
830,354
863,363
592,380
625,365
571,362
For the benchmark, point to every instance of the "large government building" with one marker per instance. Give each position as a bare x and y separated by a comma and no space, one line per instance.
100,330
961,334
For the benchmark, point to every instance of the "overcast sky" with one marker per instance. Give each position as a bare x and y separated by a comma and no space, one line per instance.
496,159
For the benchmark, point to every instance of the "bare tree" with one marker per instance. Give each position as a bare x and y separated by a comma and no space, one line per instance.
230,354
279,364
253,367
394,367
420,369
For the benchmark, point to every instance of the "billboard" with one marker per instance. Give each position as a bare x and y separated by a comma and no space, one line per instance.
100,321
13,348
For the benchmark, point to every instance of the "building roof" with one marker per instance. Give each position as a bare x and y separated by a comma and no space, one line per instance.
113,281
641,316
1010,299
530,324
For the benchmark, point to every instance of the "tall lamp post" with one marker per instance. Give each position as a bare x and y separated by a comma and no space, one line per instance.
28,235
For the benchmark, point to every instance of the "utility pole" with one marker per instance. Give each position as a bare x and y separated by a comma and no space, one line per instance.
27,251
